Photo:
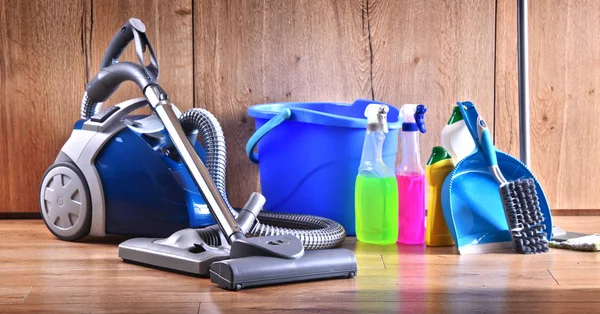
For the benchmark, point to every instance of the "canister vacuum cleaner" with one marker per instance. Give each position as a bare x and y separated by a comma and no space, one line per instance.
146,176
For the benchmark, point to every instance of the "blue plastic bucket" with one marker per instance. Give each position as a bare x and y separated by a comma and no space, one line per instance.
309,155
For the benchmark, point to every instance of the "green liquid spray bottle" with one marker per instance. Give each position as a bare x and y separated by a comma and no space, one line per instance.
376,190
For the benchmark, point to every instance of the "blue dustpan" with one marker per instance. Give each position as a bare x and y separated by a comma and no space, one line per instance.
471,201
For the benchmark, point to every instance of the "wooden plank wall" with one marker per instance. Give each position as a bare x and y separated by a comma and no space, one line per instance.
424,52
228,55
564,58
42,74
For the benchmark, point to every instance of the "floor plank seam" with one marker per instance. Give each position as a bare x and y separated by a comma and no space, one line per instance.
549,272
26,295
382,261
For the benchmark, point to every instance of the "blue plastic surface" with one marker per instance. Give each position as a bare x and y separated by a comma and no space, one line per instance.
488,149
470,197
146,193
78,124
309,162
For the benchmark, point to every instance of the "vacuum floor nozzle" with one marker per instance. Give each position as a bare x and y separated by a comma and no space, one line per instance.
254,271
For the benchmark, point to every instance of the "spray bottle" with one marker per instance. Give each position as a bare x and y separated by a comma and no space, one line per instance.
376,191
411,178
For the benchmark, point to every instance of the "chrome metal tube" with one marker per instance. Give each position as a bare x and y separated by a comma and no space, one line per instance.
524,133
200,175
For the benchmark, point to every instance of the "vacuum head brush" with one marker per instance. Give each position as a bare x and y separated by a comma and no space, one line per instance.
253,271
524,216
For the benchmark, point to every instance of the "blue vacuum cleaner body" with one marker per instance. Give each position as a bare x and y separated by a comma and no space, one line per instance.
131,179
146,192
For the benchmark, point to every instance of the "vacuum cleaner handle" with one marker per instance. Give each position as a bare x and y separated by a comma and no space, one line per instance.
135,30
108,80
113,73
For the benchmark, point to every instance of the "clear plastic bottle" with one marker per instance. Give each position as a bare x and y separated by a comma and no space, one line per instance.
411,178
376,190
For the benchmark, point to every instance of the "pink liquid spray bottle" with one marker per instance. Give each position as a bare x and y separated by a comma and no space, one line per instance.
411,178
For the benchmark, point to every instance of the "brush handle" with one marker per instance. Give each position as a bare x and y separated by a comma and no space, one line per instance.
486,143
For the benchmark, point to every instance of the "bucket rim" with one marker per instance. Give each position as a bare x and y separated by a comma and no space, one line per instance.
301,113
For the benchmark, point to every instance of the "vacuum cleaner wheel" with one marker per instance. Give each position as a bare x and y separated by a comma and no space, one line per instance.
65,202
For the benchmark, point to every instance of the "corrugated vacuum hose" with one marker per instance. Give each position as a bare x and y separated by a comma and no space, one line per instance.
315,232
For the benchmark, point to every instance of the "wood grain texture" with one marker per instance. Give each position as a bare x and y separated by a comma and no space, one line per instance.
253,52
506,111
313,307
42,274
563,51
391,307
13,295
125,308
42,61
169,29
435,53
576,212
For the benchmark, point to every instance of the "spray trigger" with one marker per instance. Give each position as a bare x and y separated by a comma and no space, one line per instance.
420,118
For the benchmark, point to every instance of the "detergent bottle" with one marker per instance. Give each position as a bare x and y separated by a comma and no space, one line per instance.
456,139
411,178
438,167
376,191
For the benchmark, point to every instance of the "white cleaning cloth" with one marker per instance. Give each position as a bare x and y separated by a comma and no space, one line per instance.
588,243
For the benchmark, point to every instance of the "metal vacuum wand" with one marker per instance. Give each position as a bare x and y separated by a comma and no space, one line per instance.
524,141
164,110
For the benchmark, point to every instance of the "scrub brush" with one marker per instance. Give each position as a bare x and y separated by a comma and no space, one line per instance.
520,202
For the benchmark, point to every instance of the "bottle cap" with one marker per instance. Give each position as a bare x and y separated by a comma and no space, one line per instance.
376,115
456,116
438,153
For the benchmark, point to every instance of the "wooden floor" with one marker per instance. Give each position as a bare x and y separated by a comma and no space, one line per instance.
40,273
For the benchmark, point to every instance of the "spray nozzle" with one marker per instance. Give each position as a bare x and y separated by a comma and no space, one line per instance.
376,115
413,118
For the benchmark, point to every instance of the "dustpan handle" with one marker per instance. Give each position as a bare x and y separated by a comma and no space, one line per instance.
470,115
487,144
479,131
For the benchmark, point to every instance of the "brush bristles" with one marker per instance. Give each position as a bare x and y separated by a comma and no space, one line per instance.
524,216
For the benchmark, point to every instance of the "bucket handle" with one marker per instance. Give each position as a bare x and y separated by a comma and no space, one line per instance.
263,130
